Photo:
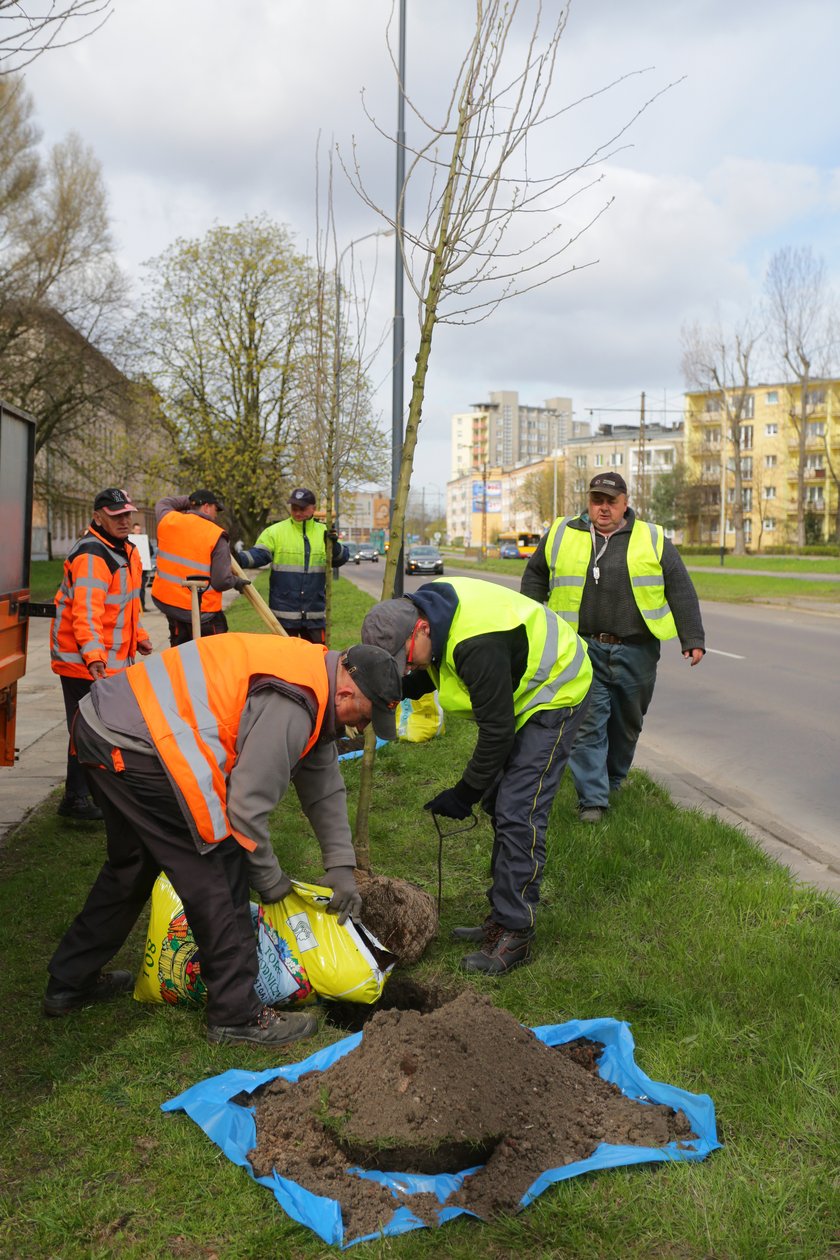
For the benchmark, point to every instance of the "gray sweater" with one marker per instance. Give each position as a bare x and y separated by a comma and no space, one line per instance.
273,731
608,606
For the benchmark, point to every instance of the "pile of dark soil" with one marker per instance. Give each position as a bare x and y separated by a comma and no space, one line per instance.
461,1085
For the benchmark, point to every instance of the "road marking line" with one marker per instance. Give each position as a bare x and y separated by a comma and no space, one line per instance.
733,655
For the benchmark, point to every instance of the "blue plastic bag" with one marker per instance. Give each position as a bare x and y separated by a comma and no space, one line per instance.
233,1129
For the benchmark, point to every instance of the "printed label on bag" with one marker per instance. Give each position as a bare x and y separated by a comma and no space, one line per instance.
302,928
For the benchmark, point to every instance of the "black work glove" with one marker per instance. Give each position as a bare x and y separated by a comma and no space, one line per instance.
240,584
346,900
332,535
451,803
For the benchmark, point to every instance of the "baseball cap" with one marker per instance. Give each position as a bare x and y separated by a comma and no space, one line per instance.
609,483
302,497
376,675
199,497
113,502
388,625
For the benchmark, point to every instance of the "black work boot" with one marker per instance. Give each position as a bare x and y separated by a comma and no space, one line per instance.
59,1000
472,933
270,1028
503,949
79,808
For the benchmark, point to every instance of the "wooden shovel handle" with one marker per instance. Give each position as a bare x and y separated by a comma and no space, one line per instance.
258,603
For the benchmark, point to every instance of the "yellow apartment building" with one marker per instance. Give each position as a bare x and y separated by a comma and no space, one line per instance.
769,454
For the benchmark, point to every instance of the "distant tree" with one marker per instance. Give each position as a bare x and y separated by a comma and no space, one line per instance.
62,296
804,334
536,496
676,499
223,338
719,361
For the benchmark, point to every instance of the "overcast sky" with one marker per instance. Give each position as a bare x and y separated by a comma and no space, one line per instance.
202,111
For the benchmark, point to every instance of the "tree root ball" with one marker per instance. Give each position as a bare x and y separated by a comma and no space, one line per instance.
400,914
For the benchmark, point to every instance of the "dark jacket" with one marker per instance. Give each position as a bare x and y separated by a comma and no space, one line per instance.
608,606
490,667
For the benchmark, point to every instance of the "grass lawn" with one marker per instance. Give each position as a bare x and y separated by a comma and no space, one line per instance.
819,566
727,970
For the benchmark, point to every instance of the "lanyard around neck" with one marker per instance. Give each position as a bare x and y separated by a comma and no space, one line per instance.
596,572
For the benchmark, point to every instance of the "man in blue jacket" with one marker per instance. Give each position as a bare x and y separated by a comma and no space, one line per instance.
296,549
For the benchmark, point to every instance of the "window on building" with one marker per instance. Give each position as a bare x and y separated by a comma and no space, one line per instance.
769,492
667,457
815,398
580,461
813,462
712,404
599,461
814,494
772,398
770,430
746,498
617,459
815,428
748,529
709,469
769,522
770,461
746,466
746,437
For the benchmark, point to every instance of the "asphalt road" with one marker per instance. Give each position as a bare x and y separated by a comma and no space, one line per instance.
751,734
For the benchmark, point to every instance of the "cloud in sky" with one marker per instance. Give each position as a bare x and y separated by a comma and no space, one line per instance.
201,111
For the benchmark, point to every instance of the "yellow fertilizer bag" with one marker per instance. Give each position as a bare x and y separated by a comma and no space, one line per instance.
347,961
342,961
420,720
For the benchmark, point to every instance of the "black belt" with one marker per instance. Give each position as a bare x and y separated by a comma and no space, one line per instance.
605,638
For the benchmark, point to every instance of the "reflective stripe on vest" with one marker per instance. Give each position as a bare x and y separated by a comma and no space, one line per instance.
569,552
558,671
295,549
192,698
185,546
98,598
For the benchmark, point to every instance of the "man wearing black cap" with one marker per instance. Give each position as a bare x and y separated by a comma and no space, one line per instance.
187,755
190,543
97,630
524,677
296,549
623,586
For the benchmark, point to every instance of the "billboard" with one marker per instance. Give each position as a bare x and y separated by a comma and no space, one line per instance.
494,496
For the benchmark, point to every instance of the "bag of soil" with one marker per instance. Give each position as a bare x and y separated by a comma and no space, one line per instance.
420,720
302,952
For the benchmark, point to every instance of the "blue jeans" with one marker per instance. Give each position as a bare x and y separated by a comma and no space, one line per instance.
623,678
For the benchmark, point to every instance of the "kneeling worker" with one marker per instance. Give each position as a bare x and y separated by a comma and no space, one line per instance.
524,675
186,755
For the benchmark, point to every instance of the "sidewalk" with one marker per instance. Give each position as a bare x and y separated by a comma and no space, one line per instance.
41,736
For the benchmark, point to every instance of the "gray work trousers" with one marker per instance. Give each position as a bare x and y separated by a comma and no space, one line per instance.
520,806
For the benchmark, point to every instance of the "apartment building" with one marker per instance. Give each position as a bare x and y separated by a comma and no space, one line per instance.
503,432
640,455
768,455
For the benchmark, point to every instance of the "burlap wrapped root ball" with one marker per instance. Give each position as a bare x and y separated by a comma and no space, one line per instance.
401,915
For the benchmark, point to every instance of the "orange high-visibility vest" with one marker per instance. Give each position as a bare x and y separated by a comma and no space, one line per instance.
192,698
185,542
97,608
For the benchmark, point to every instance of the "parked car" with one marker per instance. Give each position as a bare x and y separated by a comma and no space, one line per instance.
366,552
509,551
352,548
424,560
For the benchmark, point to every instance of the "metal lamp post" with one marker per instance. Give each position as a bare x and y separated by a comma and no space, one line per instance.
337,357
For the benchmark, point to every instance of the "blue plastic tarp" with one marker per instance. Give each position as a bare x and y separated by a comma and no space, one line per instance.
232,1127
